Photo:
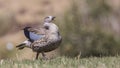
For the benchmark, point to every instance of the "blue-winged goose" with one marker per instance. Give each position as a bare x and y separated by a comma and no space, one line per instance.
42,39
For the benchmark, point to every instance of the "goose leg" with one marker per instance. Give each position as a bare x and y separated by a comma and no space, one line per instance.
44,56
37,55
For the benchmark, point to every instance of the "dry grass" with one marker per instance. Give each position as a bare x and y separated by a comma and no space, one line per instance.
64,62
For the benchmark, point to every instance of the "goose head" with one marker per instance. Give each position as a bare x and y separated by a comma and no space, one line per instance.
49,19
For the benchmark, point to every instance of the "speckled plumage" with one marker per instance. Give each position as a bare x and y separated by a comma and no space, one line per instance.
45,45
43,39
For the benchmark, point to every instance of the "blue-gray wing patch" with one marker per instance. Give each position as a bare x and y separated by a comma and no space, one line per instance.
34,36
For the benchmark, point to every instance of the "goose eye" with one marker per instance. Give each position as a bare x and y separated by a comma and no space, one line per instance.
46,17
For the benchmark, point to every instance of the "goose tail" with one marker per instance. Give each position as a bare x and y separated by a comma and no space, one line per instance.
21,46
26,43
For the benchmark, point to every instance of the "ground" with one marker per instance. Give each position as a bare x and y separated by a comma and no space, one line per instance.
64,62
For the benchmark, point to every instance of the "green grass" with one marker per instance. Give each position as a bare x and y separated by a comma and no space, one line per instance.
64,62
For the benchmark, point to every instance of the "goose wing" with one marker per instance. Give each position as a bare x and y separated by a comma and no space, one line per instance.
34,34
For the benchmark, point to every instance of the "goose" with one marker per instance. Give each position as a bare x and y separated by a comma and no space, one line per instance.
43,39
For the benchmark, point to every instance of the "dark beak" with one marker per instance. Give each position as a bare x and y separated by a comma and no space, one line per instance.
53,18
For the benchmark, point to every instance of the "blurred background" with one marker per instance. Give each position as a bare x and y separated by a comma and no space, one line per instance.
88,27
